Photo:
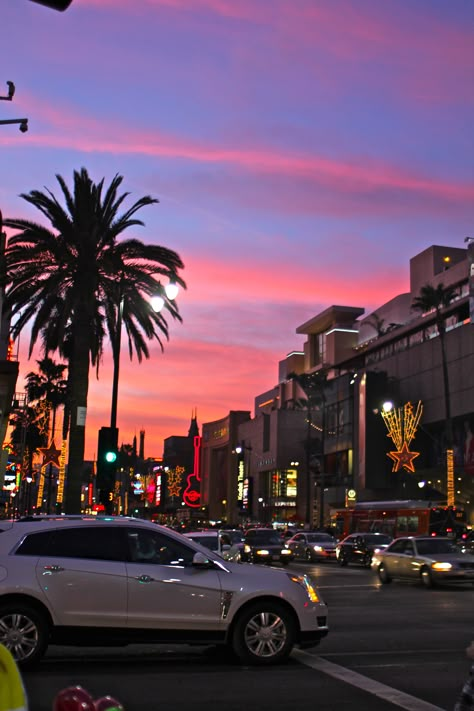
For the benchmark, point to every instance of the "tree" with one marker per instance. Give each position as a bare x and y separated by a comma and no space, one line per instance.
67,281
437,299
48,384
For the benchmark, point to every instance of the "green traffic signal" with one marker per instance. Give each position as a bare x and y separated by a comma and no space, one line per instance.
111,457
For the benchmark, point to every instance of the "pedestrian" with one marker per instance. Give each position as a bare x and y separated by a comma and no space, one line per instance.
465,701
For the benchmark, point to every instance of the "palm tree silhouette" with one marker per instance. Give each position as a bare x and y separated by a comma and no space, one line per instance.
67,280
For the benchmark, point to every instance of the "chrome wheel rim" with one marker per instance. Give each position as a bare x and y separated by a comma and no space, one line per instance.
19,634
265,634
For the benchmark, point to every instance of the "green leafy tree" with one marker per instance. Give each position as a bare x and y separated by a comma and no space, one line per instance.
437,299
71,281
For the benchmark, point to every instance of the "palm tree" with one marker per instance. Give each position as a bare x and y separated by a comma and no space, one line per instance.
66,281
437,299
48,384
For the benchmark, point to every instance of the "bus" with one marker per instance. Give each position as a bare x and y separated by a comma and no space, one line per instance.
399,518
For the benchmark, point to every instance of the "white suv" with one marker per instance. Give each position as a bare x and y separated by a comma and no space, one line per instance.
114,581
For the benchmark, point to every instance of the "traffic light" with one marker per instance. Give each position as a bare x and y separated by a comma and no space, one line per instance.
107,458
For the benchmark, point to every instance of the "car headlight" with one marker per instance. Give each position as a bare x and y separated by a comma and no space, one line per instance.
285,551
247,549
262,551
317,549
305,583
441,566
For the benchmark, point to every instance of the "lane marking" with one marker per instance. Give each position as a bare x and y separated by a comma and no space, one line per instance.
399,698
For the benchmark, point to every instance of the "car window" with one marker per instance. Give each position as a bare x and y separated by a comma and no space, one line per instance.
266,537
155,547
94,542
211,542
320,537
399,547
377,538
37,543
435,546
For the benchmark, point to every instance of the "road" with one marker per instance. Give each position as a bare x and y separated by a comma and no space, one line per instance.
389,647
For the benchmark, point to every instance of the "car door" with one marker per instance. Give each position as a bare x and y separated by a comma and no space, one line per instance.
165,591
395,558
82,573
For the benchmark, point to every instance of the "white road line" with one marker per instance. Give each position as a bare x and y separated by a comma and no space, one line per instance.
399,698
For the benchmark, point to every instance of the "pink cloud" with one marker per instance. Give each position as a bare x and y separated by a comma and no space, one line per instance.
357,175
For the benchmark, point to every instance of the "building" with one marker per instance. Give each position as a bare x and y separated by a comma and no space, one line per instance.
300,463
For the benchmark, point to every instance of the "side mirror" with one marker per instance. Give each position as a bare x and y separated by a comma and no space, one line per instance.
225,547
200,561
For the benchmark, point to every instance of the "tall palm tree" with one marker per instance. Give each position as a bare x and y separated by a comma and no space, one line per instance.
437,298
66,281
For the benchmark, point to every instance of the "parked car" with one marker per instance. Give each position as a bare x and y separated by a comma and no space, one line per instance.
313,546
360,548
430,560
116,581
264,545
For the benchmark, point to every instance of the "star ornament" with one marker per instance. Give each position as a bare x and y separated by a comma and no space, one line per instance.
403,458
50,454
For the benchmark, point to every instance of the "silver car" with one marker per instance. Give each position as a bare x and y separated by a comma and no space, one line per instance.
430,560
116,581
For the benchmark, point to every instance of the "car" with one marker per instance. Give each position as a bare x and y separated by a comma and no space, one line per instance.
116,581
264,545
313,546
225,542
467,542
429,560
360,547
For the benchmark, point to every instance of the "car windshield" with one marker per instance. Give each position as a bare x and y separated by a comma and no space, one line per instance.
211,542
378,538
435,546
320,538
265,537
234,536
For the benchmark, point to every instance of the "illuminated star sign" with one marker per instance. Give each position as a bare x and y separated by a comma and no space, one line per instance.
174,481
403,458
50,454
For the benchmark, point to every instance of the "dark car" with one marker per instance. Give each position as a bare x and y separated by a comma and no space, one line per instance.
313,546
360,547
264,545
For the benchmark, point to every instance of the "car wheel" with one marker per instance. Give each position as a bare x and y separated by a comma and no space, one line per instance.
384,577
342,560
24,632
367,560
264,634
308,555
427,578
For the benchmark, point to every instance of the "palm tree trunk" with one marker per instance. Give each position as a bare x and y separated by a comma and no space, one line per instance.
79,371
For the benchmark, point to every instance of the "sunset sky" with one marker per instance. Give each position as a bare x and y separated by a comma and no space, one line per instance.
302,152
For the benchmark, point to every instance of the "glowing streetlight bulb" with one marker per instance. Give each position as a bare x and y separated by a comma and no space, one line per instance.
157,303
171,290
